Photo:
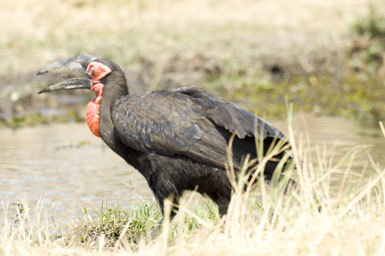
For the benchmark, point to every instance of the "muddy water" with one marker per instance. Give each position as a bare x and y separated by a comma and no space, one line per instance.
66,168
334,137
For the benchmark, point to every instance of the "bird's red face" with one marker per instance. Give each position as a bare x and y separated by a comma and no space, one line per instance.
95,72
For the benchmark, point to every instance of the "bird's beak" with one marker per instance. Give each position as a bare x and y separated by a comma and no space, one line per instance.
75,65
70,84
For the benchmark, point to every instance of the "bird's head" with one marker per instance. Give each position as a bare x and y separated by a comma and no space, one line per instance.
90,73
90,69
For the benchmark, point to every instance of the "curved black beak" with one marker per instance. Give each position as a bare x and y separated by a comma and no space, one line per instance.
75,65
70,84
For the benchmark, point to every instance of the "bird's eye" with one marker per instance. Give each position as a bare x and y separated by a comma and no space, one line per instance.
92,71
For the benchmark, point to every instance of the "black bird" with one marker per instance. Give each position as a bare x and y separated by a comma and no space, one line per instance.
175,138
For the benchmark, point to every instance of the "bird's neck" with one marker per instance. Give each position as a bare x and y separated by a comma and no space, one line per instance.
115,86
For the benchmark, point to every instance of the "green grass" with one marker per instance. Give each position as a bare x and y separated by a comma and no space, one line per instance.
357,96
368,44
114,223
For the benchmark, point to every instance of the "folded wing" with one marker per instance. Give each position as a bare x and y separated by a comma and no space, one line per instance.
188,121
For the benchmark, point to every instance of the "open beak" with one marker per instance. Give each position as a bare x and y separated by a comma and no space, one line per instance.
75,65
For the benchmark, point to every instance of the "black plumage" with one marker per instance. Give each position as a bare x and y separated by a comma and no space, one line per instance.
177,138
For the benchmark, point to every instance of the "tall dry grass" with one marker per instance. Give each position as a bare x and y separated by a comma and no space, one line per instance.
319,216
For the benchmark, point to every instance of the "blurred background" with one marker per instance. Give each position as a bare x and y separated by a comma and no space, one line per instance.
326,57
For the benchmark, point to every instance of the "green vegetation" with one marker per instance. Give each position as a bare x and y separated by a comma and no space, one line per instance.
132,225
357,96
369,43
36,119
115,223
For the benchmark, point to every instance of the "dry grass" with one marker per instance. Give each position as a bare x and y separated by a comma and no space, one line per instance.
319,217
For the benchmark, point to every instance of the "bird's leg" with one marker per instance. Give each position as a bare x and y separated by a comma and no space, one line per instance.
221,194
173,206
222,200
164,189
172,212
223,206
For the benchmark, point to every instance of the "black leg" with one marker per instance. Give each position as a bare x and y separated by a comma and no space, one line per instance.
223,205
156,231
163,189
222,200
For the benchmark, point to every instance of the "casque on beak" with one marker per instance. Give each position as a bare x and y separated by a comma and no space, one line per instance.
77,64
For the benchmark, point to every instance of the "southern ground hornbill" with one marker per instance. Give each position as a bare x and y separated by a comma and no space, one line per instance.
175,138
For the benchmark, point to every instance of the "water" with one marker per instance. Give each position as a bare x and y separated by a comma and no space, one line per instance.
66,168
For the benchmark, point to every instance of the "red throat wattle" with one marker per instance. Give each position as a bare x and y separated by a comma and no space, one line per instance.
97,72
93,110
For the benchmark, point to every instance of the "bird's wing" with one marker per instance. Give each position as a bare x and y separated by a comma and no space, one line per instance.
230,116
185,121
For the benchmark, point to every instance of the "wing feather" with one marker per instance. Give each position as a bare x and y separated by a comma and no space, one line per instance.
187,121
